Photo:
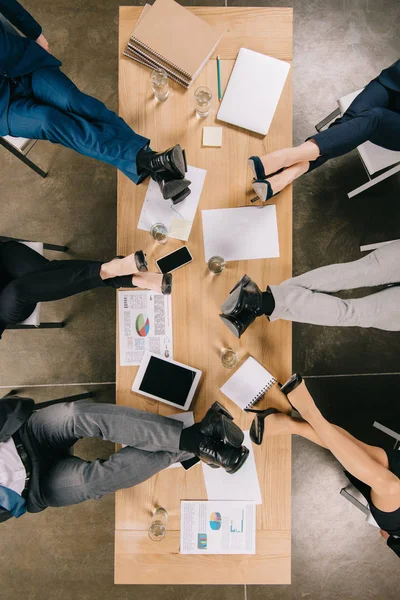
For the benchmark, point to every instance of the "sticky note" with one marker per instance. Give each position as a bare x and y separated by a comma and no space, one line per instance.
212,136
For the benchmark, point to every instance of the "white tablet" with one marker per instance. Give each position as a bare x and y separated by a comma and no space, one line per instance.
166,380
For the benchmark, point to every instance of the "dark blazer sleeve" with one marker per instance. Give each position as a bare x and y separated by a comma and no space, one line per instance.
14,411
394,544
20,18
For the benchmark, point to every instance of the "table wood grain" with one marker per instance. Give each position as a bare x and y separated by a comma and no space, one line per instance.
198,332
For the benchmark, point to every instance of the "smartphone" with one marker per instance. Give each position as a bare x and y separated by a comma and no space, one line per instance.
174,260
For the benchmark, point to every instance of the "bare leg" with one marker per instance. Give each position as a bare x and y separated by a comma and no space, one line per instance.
279,423
118,267
385,486
281,180
289,156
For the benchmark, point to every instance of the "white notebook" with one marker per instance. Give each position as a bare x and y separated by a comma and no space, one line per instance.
253,92
250,382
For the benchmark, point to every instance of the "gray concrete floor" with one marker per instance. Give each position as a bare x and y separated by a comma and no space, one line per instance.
68,553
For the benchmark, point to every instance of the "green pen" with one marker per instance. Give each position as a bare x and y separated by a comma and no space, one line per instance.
219,78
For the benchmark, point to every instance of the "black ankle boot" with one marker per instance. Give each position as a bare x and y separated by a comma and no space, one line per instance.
170,163
244,305
218,424
238,324
245,296
217,454
174,189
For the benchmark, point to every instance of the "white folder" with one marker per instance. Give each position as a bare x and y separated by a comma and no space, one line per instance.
253,91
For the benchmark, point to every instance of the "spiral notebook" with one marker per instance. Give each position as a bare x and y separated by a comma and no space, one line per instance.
250,382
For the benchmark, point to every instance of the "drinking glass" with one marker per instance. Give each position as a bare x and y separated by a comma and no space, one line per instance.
159,232
216,264
159,83
158,525
229,358
203,99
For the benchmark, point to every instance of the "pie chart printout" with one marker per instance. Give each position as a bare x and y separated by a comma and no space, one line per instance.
142,325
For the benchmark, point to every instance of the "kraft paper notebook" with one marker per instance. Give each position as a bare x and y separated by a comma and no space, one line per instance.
169,35
250,382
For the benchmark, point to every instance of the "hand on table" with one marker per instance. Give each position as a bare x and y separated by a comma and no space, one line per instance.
41,40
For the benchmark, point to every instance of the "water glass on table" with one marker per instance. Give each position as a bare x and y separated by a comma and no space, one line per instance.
159,83
203,97
216,264
159,232
229,358
158,525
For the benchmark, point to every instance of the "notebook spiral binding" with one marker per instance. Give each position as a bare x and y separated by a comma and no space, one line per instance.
168,62
261,393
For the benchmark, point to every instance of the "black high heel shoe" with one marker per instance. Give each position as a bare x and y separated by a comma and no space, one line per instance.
290,385
256,165
242,306
257,426
166,285
141,262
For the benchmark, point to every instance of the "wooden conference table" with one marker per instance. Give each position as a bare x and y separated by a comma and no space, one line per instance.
198,332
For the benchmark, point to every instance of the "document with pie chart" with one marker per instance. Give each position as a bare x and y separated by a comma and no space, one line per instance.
218,527
145,324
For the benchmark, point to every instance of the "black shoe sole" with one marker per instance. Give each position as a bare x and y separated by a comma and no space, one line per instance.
180,197
172,188
239,465
141,263
178,160
166,286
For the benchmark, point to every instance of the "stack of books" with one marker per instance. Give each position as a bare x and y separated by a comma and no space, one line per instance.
170,37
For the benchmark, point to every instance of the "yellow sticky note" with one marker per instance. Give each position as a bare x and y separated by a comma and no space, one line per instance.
212,136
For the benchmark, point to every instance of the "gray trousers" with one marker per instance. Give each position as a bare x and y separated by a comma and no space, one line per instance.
152,444
306,298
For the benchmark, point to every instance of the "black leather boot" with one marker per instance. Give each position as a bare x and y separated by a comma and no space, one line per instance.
170,163
244,304
245,296
217,454
174,189
218,424
238,324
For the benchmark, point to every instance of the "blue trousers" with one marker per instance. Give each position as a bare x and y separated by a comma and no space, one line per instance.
46,105
373,116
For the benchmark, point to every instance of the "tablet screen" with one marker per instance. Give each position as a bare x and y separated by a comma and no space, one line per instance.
167,380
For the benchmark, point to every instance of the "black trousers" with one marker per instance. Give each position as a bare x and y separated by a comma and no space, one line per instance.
27,277
373,116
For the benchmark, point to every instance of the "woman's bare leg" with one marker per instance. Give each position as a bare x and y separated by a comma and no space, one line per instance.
279,423
118,267
385,486
279,181
279,159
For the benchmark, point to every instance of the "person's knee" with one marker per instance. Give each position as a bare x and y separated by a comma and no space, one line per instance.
11,302
388,487
376,115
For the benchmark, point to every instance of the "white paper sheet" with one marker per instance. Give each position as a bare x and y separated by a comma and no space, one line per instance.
145,324
241,233
179,218
242,485
218,527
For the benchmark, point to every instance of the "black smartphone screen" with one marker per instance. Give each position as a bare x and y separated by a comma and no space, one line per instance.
174,260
